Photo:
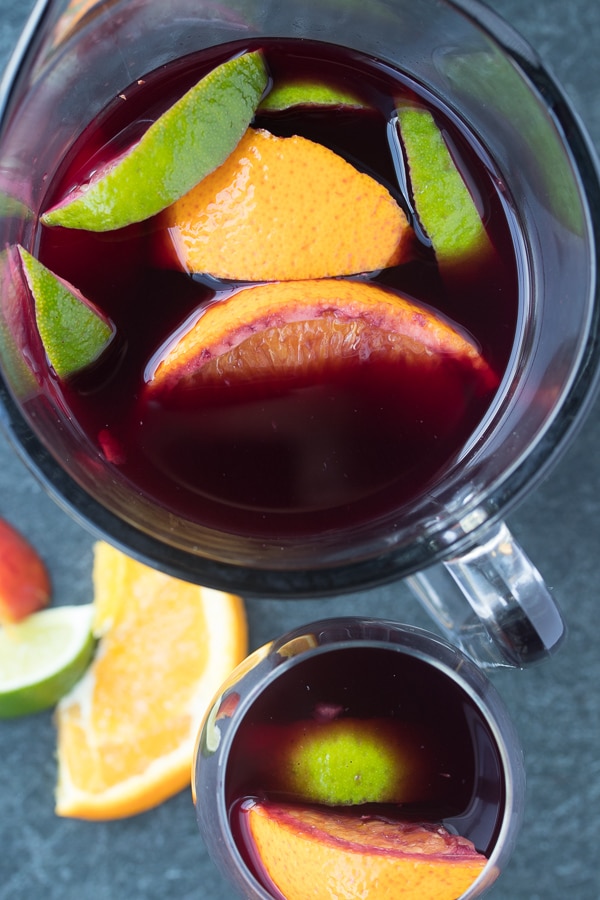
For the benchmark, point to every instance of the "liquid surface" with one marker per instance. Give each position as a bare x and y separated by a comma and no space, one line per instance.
286,458
465,788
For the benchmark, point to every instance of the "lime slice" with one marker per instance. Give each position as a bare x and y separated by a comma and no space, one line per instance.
442,200
73,332
308,93
42,657
185,144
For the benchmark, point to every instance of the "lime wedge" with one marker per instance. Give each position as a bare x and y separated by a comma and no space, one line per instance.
308,93
42,657
178,150
442,199
73,332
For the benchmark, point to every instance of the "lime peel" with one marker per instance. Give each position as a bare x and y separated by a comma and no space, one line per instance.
73,332
187,142
308,93
442,200
42,658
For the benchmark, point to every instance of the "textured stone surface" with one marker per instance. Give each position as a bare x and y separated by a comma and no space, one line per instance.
556,706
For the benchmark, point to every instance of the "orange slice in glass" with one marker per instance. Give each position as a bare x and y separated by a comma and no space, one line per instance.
311,852
282,209
292,328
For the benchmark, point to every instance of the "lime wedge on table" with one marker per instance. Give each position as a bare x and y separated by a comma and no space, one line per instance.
308,93
73,332
42,657
442,200
178,150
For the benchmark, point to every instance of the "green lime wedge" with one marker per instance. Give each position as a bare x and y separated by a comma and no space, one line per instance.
193,137
442,200
308,93
42,657
73,332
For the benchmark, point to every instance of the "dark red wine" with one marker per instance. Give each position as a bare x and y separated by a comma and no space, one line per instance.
462,786
287,457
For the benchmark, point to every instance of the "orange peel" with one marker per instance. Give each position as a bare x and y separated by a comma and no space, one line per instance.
287,208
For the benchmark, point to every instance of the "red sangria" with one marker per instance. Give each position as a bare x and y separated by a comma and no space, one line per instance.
358,758
312,409
279,314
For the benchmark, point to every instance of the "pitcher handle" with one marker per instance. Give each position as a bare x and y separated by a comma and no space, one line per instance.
492,603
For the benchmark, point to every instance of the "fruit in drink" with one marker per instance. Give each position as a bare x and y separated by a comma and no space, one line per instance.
74,333
287,208
189,140
437,793
24,579
347,761
311,852
126,732
305,92
293,452
304,327
442,199
42,657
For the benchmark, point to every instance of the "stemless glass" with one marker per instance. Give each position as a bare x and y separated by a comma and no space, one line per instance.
74,58
363,668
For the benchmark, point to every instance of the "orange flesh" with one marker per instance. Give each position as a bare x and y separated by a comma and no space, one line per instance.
294,327
309,852
126,732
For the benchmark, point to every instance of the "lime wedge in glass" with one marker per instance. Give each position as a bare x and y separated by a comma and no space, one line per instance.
178,150
42,657
442,200
74,333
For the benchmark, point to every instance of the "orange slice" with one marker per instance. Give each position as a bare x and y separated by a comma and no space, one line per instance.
296,327
280,209
309,852
126,732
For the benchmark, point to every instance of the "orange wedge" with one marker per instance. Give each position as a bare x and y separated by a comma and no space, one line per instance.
310,852
282,209
126,732
297,327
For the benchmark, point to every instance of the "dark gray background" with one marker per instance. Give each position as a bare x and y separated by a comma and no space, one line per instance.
556,706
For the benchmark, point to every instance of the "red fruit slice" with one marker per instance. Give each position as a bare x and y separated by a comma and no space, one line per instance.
24,580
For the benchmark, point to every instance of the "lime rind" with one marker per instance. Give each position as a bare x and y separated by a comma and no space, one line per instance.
308,93
43,657
187,142
73,332
441,197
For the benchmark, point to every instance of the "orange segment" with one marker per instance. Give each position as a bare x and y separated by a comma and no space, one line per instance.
280,209
309,852
296,327
126,732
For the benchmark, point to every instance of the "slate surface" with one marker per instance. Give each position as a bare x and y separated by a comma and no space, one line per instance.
556,706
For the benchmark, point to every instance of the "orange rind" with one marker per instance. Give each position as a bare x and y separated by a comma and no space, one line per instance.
311,852
283,209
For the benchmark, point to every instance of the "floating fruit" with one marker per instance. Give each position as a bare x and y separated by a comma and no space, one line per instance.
442,200
287,94
42,657
298,327
24,580
126,733
74,333
287,208
347,761
183,145
317,853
